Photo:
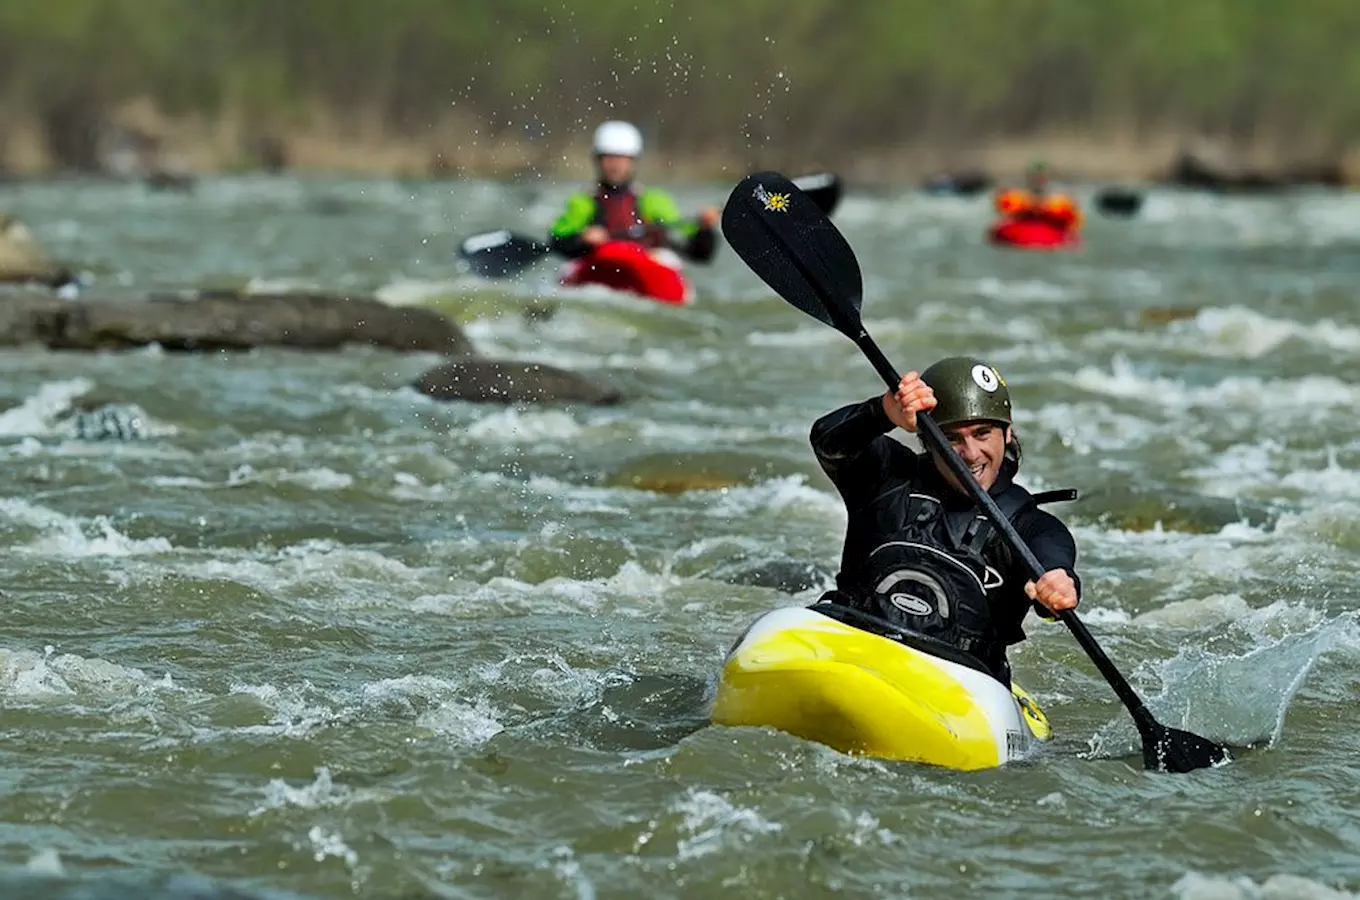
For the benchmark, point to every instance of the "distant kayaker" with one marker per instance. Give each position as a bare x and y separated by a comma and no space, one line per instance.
619,209
918,553
1035,201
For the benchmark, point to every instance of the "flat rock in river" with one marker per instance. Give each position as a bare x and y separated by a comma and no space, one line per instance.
502,381
678,473
224,320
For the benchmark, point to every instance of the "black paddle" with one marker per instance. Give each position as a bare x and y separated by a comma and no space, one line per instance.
795,249
502,253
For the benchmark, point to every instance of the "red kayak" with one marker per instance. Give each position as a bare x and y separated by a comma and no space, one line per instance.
626,266
1042,234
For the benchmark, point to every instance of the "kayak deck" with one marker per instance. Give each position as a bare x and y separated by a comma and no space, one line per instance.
626,266
809,675
1034,233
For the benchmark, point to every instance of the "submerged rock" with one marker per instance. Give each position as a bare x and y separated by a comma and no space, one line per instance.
1118,202
678,473
109,422
792,576
1139,509
22,259
500,381
1162,315
957,184
224,321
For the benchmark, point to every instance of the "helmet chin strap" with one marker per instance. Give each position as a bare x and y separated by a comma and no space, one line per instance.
1013,449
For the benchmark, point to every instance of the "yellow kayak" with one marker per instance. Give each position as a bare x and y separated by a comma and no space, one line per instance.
805,673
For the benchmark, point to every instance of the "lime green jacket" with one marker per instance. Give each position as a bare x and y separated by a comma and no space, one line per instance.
655,207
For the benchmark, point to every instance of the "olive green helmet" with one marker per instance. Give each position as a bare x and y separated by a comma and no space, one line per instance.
967,390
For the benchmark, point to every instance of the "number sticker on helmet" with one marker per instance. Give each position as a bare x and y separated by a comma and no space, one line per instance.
986,378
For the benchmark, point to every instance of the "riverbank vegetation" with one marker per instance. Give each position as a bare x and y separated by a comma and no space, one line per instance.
1108,87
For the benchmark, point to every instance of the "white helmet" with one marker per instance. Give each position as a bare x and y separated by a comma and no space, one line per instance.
618,139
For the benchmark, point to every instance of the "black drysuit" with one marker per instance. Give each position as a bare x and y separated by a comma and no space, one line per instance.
919,553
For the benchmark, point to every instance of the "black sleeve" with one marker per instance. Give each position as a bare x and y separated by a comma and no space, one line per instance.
854,450
702,245
570,246
1052,544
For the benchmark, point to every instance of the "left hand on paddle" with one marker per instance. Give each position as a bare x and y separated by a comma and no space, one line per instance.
708,217
1054,590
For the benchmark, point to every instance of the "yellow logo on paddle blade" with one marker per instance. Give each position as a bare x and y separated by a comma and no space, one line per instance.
773,202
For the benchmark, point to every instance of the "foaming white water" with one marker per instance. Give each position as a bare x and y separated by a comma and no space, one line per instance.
1239,698
1107,613
1296,398
631,592
38,414
279,794
800,337
335,573
1197,612
651,358
66,536
1088,427
416,292
557,427
321,478
25,674
1331,480
1236,331
442,706
576,498
1029,291
711,822
1268,470
331,844
1173,544
516,426
1194,886
46,862
1243,699
292,711
790,494
259,285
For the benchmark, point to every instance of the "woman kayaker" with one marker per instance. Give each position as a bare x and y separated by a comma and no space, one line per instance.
618,209
917,552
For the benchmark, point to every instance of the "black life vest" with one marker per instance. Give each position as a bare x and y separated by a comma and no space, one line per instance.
937,574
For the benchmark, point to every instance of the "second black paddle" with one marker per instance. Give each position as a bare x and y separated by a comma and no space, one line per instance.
504,254
790,243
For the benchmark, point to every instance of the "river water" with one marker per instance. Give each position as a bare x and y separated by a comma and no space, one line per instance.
319,636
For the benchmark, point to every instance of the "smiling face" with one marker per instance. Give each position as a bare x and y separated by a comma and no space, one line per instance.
982,447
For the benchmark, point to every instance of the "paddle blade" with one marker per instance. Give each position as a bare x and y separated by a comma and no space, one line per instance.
824,188
499,254
786,239
1172,750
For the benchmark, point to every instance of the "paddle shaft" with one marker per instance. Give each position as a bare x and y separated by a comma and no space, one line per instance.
935,438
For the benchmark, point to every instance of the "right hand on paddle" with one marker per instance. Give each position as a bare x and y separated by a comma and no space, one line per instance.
911,397
595,235
1055,591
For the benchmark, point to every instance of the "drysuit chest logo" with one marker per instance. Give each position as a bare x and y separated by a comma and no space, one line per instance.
911,605
916,593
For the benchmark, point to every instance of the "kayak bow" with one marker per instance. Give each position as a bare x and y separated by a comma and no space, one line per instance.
807,674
